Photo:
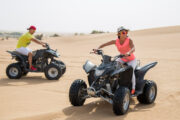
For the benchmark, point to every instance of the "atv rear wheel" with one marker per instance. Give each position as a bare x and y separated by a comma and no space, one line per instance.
149,93
14,71
76,92
121,101
53,72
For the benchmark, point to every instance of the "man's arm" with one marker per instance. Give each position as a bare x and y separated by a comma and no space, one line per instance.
38,42
107,44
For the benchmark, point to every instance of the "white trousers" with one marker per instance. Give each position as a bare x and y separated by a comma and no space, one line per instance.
132,63
24,50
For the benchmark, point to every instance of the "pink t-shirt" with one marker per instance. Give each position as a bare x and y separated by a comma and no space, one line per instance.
124,48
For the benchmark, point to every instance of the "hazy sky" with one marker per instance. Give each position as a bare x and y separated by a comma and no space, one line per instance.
86,15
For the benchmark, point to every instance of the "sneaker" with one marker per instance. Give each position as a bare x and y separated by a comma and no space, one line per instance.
33,68
132,91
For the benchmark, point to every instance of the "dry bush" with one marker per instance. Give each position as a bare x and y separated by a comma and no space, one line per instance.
39,36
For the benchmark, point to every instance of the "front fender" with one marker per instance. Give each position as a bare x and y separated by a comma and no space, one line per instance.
53,53
125,76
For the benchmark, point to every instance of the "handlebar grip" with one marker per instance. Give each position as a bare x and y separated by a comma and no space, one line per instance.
121,56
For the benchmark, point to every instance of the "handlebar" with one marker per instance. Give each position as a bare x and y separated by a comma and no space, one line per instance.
100,52
47,46
121,56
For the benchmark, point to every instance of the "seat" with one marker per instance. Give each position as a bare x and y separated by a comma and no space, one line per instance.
137,68
17,53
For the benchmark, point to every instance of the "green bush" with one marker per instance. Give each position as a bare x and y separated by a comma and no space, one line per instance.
97,32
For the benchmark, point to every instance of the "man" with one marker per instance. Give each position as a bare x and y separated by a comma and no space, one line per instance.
24,41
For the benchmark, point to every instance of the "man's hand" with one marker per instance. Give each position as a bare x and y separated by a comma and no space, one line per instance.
43,44
39,42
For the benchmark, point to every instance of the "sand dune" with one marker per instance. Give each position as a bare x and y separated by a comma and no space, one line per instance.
35,98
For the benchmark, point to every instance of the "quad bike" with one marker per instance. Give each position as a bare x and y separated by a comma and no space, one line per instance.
43,60
111,81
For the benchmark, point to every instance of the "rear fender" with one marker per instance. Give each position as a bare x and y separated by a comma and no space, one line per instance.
13,54
140,73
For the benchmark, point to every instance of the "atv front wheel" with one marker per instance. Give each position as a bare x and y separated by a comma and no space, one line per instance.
14,71
61,64
76,92
121,101
149,93
53,72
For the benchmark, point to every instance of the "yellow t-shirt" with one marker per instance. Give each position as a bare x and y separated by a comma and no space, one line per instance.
24,40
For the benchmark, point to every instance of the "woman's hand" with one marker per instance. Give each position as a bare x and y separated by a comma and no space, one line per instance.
126,55
94,50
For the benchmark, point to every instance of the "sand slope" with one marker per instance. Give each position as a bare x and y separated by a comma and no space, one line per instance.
35,98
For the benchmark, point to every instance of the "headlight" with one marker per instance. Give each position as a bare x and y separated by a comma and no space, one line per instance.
88,66
57,54
99,72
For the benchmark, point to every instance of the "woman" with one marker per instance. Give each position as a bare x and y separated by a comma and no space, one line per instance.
126,47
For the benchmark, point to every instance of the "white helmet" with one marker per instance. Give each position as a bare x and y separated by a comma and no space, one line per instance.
122,28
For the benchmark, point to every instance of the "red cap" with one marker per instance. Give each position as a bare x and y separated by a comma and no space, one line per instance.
32,27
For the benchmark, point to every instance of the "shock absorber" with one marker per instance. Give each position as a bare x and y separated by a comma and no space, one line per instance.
108,87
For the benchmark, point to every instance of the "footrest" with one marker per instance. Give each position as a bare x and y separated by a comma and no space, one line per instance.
32,70
136,93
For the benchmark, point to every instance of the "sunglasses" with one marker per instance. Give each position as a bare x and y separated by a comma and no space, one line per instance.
122,32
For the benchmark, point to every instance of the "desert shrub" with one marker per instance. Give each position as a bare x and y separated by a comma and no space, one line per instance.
39,36
75,34
55,35
81,34
15,33
97,32
7,37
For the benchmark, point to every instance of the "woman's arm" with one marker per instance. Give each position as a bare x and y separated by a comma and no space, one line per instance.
131,46
107,44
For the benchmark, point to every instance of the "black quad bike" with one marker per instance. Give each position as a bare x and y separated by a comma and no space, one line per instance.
111,81
43,60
